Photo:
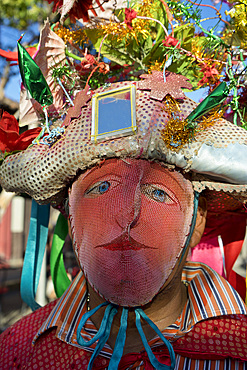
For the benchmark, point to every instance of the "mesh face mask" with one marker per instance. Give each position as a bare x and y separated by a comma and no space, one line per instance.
130,220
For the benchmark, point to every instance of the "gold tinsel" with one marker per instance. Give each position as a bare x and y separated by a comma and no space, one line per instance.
156,66
71,36
211,60
119,31
140,27
177,132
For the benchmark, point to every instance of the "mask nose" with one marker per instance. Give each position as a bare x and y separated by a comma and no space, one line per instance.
130,212
125,217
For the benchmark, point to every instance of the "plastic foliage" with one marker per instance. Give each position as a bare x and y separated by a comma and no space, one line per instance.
32,78
134,46
156,35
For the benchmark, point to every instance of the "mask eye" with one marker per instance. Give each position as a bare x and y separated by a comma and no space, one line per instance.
157,194
99,188
103,187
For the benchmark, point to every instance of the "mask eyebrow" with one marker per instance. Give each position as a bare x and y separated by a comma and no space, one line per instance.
88,172
125,160
169,173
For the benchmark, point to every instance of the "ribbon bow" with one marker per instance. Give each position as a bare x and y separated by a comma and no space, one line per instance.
134,359
103,333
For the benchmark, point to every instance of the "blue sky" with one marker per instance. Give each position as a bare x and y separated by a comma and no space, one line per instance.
9,37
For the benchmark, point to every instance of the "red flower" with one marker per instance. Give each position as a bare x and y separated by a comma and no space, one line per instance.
130,14
210,75
103,67
10,140
171,41
78,10
88,61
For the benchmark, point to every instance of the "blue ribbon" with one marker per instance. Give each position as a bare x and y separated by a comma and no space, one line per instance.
193,223
120,341
104,331
83,321
167,65
110,316
155,363
37,238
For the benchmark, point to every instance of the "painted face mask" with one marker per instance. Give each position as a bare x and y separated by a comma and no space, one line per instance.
130,220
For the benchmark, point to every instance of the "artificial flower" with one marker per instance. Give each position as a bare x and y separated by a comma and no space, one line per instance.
10,140
171,41
88,61
74,9
210,74
103,67
130,14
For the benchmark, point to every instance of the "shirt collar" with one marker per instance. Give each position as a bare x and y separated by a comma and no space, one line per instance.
209,295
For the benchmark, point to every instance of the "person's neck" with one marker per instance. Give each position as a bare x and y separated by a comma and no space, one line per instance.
164,309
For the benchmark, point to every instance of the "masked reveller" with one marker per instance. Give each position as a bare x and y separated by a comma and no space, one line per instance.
135,202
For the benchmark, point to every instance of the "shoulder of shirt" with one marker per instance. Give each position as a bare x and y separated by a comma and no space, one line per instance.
73,299
209,293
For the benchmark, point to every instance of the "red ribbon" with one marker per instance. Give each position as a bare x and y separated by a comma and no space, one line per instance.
134,359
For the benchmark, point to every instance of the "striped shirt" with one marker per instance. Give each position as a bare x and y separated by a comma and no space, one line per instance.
209,297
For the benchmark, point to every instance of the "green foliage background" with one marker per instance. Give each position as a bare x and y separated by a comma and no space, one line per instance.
21,14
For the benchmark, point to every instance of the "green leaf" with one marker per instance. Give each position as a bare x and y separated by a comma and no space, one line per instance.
141,51
119,52
186,67
161,16
155,54
185,34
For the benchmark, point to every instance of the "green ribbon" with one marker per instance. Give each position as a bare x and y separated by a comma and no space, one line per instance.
32,77
58,272
217,96
34,255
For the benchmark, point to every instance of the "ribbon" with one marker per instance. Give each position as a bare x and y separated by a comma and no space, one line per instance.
134,359
120,341
83,321
156,364
32,77
216,97
37,237
104,331
58,272
192,226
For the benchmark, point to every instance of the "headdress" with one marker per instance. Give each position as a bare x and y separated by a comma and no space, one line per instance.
163,124
46,171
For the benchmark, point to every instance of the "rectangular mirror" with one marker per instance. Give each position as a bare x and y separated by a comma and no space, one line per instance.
113,113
